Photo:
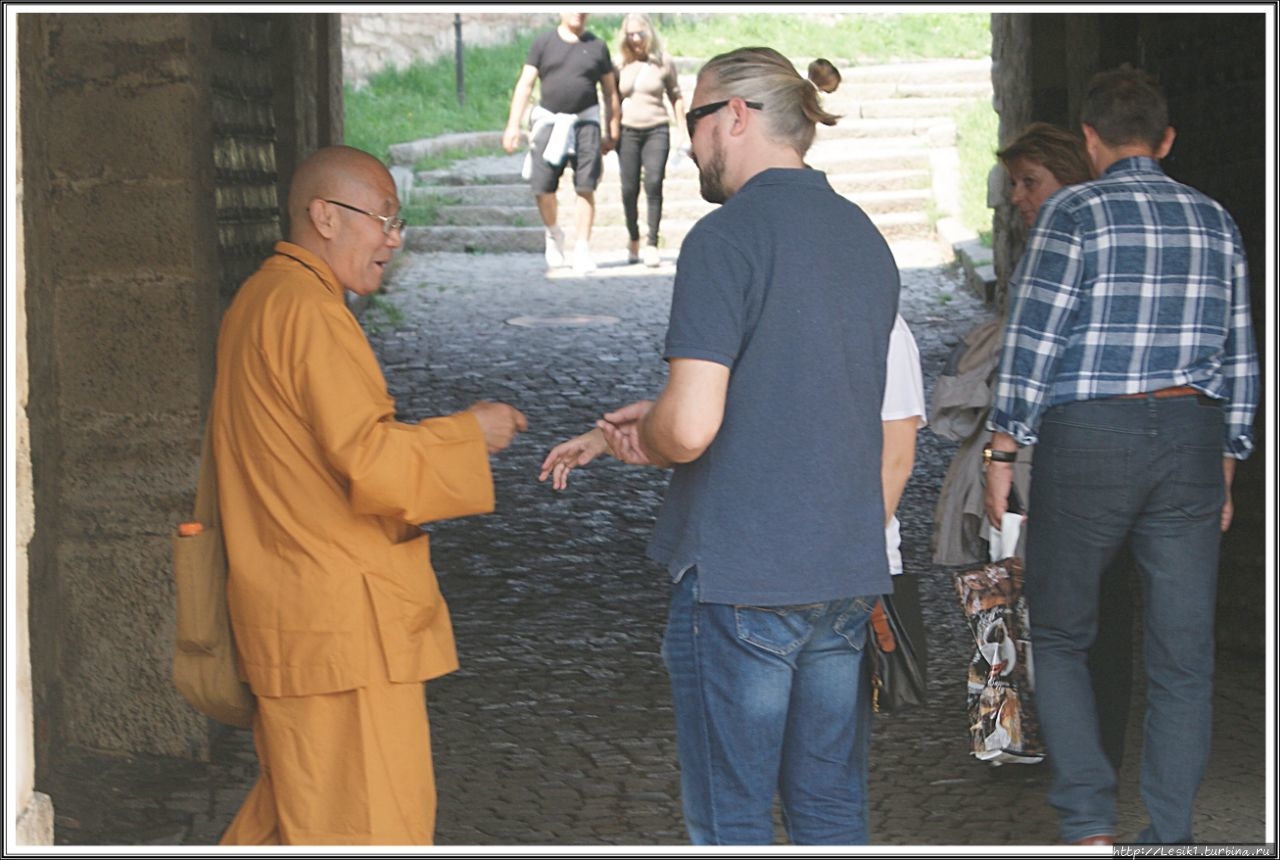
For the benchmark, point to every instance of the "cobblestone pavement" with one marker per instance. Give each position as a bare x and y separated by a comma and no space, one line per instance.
557,730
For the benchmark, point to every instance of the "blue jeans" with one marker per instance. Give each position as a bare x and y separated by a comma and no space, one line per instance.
1149,470
770,700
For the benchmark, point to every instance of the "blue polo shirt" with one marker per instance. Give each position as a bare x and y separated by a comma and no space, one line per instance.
792,288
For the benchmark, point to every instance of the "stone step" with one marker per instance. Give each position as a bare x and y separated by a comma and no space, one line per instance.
406,154
943,72
939,109
926,130
516,194
874,202
862,180
849,169
838,155
489,240
894,225
871,91
480,216
452,178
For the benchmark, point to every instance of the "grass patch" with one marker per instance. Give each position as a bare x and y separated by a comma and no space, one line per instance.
420,213
423,209
859,38
382,310
977,130
422,100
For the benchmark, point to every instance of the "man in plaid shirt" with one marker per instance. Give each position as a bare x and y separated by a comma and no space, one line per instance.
1129,361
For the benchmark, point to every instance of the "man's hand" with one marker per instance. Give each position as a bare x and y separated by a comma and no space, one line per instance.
511,139
499,423
1228,476
621,430
999,480
996,496
565,457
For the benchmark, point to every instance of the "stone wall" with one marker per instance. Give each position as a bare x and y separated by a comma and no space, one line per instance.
34,823
375,41
122,301
154,145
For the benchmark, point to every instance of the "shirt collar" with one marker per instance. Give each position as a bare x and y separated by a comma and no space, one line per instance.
776,175
1134,164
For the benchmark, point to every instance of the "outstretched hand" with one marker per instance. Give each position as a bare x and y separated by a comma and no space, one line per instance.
565,457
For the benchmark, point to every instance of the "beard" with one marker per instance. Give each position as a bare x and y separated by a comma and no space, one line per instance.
711,174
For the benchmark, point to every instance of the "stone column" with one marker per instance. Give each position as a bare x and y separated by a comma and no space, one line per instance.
123,305
34,824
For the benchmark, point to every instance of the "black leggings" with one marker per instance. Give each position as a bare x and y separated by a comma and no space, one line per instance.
647,147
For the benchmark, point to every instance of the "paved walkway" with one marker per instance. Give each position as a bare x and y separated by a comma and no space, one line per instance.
557,730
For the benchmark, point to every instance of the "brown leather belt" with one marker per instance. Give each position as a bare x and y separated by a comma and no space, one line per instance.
1176,391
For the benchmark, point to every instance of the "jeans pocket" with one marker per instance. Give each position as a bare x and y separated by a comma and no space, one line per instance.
1086,484
780,630
1198,490
852,622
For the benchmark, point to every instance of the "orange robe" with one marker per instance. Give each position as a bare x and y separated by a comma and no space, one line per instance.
330,589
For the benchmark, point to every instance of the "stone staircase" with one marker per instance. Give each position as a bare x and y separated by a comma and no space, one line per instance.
893,153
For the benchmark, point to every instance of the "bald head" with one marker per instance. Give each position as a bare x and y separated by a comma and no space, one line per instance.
340,203
334,173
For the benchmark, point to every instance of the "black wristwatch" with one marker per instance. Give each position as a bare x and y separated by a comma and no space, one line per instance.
989,454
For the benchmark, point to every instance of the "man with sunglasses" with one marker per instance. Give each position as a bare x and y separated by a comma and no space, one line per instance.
337,616
567,128
773,527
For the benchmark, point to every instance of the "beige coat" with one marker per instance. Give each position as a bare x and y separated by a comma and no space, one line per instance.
321,491
962,398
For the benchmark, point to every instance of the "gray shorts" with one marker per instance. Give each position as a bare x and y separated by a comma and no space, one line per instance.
588,163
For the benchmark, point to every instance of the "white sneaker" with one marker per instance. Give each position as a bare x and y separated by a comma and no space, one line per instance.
555,248
649,254
582,262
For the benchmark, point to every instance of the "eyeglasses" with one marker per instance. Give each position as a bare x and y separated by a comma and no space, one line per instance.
638,34
389,224
694,114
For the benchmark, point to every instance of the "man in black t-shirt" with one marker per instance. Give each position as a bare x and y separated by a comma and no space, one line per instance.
566,126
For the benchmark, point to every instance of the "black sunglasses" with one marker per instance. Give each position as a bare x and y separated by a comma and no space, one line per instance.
694,114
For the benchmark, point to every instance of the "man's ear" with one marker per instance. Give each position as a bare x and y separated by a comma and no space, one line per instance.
1090,135
323,217
1094,146
1166,143
740,110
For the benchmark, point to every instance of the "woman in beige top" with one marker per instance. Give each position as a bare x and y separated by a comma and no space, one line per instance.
646,74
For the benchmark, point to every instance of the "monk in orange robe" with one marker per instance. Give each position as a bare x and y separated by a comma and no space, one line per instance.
336,612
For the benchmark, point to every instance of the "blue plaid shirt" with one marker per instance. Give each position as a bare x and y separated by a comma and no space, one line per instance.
1129,284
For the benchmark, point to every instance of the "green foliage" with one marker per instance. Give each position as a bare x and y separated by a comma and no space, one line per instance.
977,128
422,100
858,37
383,310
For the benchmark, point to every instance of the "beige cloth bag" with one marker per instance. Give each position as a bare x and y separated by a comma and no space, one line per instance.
204,656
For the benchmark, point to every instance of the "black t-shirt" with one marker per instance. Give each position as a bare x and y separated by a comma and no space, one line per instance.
569,71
